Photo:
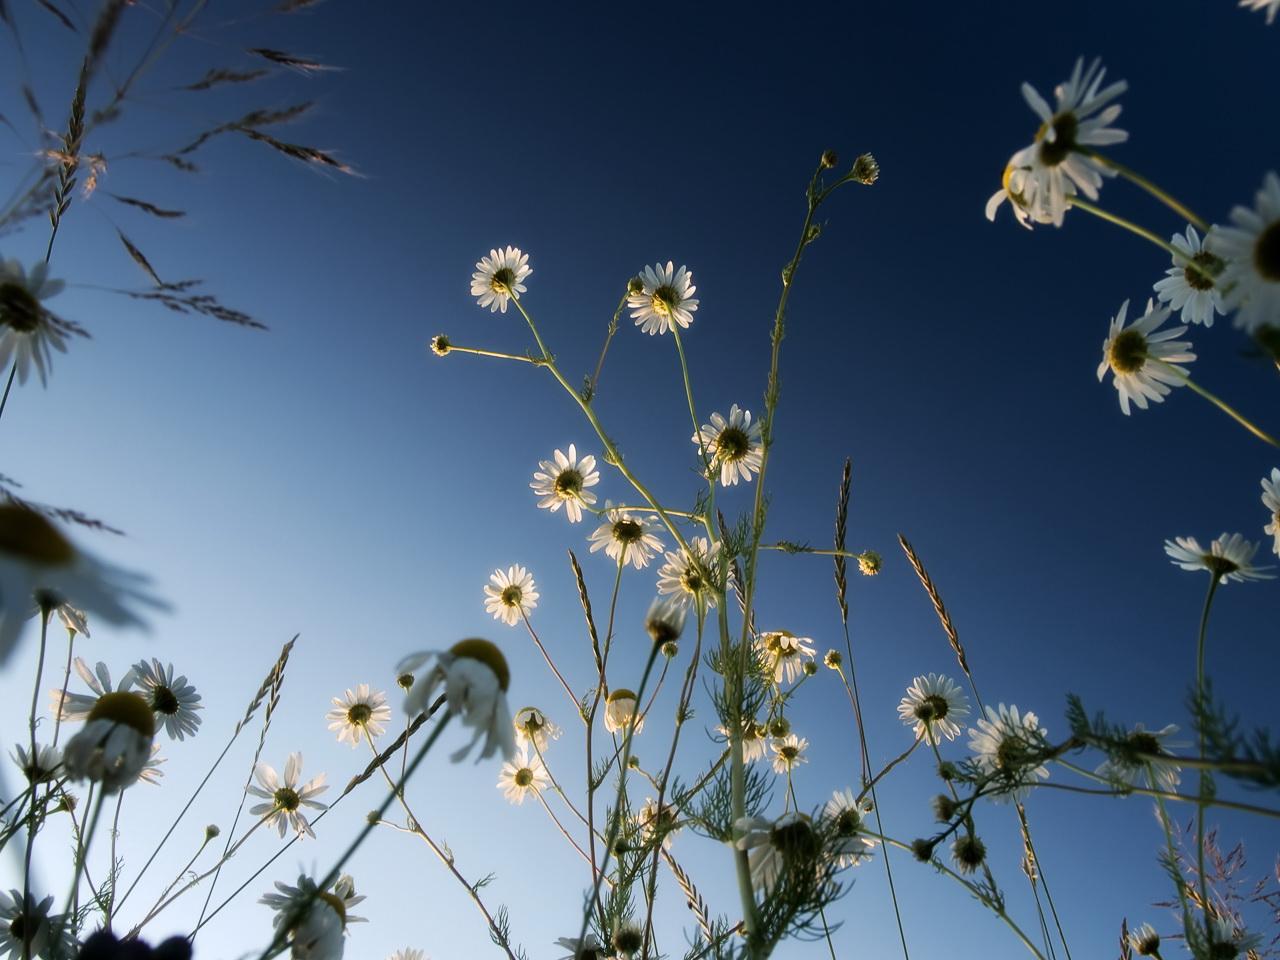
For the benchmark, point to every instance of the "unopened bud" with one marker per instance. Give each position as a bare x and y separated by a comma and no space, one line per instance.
829,159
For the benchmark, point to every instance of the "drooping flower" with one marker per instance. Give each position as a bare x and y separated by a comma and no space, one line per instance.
563,481
691,574
1271,500
28,329
1143,761
665,298
932,706
315,920
115,743
968,852
784,654
626,537
845,817
734,445
475,676
521,776
510,594
1005,744
1144,363
362,712
174,701
619,708
73,619
1251,249
788,843
533,727
499,277
27,929
285,798
788,752
1189,284
1229,557
665,620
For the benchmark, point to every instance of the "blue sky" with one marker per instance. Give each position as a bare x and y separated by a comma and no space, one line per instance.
332,478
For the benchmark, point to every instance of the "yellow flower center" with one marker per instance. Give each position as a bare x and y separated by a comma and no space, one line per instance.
1206,267
487,653
502,280
28,536
523,777
511,596
568,484
358,714
733,444
125,708
627,531
163,700
931,708
287,799
665,299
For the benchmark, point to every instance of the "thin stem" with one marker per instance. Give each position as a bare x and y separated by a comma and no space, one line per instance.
498,354
1143,183
1146,792
556,820
7,387
613,329
889,766
45,609
82,850
1206,778
546,656
66,682
112,871
1218,402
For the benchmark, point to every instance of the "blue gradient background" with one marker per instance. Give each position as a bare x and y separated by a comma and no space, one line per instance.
331,478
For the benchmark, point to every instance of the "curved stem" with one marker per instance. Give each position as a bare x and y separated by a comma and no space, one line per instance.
1218,402
1133,228
1143,183
550,663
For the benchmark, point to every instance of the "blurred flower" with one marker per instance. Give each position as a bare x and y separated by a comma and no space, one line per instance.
754,744
408,954
624,537
174,701
1251,249
563,481
1005,744
499,277
627,940
27,930
314,919
1142,362
968,852
654,822
104,945
833,660
40,766
1231,940
361,712
733,444
788,752
1228,558
510,594
846,815
115,743
690,574
665,620
619,708
775,846
66,705
932,706
1143,761
783,654
286,798
74,620
1191,289
588,948
475,677
151,772
664,300
1271,6
27,329
1271,500
522,776
1144,941
533,727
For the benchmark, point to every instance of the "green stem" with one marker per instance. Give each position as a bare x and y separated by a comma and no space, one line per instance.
1218,402
1143,183
1206,778
1132,228
7,387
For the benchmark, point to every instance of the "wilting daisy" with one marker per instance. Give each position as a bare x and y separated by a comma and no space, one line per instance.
38,767
1040,179
37,563
522,775
784,654
65,705
1143,761
27,930
1271,6
1004,745
362,712
1251,249
285,798
315,920
619,708
563,481
1271,500
665,298
624,538
846,816
788,752
787,843
510,594
174,701
114,745
1143,362
1144,941
1230,557
588,948
657,822
499,277
27,328
734,445
932,706
533,727
1189,285
475,676
690,574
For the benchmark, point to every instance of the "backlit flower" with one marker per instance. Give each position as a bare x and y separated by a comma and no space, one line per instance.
521,776
773,847
1230,557
1251,249
563,481
1144,363
588,948
314,920
114,745
362,712
619,708
27,930
28,330
626,537
533,727
1189,284
1005,746
174,701
784,654
846,818
754,740
665,298
499,277
38,767
1271,6
1271,500
285,798
691,574
655,822
510,594
1144,941
66,705
788,752
734,445
475,677
1142,761
932,706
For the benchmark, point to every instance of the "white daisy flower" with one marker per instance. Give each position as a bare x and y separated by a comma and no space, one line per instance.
654,822
38,562
27,329
932,706
73,619
1230,557
39,767
665,298
533,727
66,705
521,776
1271,6
624,537
619,708
1271,500
846,816
788,752
664,622
1231,940
1003,745
115,743
691,574
1143,762
1143,363
285,798
27,930
360,713
174,701
775,846
499,277
1189,284
563,481
784,654
1251,278
733,444
1144,941
151,772
408,954
1040,179
510,594
475,676
315,920
588,948
754,740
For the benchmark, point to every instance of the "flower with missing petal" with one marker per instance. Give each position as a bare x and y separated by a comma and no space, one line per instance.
28,330
1251,249
361,713
27,930
691,574
619,709
1228,557
1189,285
1142,760
624,537
533,727
285,798
174,701
1144,363
846,817
114,746
499,277
788,752
734,445
510,594
314,920
1005,745
664,300
475,677
784,654
932,706
563,481
1271,500
521,776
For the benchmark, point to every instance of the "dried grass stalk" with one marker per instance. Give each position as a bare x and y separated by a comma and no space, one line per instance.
842,525
938,605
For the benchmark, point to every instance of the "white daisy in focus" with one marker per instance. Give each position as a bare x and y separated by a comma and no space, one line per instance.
315,920
784,654
39,767
499,277
38,563
563,481
788,753
1143,761
27,930
654,822
114,745
510,594
775,846
734,445
690,574
362,712
285,798
1271,6
521,776
475,677
1271,500
619,708
65,705
1251,248
174,700
1189,284
1004,745
27,329
1144,363
1230,557
665,298
624,538
588,948
932,706
533,727
846,816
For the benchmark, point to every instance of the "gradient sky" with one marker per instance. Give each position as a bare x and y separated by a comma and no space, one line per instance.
332,478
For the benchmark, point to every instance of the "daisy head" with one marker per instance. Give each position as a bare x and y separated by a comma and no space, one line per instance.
665,620
620,709
510,594
734,445
691,575
755,742
1006,745
1144,941
27,929
314,919
1229,940
788,753
408,954
1271,500
1143,363
37,767
174,701
499,277
1251,250
521,776
114,745
933,705
1230,557
1142,760
285,797
625,537
845,818
475,677
664,298
787,844
783,654
563,481
533,727
1190,284
28,330
361,712
658,823
68,705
